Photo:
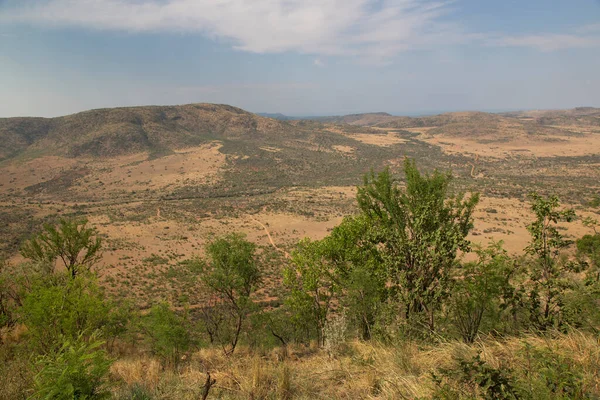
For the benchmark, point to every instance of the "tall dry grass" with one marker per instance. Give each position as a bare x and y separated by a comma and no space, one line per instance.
362,370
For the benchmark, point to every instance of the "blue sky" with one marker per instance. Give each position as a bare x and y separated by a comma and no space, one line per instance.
299,57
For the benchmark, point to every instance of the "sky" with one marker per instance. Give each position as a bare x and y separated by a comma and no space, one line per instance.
299,57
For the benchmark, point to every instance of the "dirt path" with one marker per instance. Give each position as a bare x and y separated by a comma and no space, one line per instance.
285,253
473,166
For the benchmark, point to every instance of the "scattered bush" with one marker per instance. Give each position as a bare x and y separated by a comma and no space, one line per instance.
168,333
77,370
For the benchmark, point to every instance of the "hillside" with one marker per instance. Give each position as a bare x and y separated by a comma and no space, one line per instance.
117,131
195,161
536,132
364,119
580,116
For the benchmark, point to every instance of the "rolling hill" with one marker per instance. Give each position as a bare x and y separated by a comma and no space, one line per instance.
118,131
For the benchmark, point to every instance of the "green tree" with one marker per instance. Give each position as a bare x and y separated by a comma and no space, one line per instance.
479,290
72,241
421,228
313,287
67,309
358,269
168,333
231,274
547,272
588,249
76,370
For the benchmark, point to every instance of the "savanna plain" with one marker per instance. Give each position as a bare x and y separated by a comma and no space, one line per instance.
205,252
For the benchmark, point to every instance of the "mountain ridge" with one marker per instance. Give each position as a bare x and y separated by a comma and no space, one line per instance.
110,132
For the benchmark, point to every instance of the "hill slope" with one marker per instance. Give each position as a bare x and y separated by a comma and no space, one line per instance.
118,131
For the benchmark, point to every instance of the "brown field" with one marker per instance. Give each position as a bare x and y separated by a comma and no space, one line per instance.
510,147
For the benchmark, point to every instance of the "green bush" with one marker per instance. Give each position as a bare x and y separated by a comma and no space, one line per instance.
167,333
77,370
231,274
421,229
551,376
477,298
66,308
477,379
72,241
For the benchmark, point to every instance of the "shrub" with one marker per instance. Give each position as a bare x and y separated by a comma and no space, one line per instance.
421,229
231,273
75,244
547,269
64,310
478,379
167,332
77,370
550,375
477,295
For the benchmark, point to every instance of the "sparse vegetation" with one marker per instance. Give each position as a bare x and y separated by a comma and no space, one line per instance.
388,298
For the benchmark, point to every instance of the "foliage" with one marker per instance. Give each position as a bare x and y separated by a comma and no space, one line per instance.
77,370
421,229
75,244
588,248
547,271
6,298
479,379
480,290
312,287
359,270
272,327
551,375
231,274
15,283
168,333
65,309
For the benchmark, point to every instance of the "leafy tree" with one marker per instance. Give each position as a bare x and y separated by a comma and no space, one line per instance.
479,289
588,248
547,270
72,241
77,370
16,282
421,228
231,273
359,270
168,333
69,309
312,287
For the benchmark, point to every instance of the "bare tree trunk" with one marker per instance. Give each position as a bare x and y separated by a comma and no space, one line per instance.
207,385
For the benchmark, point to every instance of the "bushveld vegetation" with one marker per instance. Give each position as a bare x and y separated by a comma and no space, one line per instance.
394,303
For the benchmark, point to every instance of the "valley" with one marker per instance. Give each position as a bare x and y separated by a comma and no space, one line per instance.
205,170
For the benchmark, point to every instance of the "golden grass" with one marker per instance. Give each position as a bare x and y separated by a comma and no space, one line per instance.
361,371
142,371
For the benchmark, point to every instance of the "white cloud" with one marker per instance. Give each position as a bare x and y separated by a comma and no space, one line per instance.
548,42
372,28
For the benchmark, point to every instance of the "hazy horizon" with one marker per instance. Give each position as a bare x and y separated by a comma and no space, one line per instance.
315,115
